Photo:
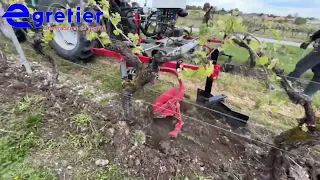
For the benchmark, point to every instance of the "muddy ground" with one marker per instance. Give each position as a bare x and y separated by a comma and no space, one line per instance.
80,138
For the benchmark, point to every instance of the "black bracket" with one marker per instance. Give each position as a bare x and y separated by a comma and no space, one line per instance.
205,96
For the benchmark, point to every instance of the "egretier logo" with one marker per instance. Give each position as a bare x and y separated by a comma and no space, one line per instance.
21,11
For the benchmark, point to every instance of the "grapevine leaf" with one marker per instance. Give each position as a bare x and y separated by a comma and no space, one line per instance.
117,32
137,50
116,18
274,78
104,38
105,41
105,9
186,73
263,61
31,11
277,35
92,2
197,60
201,71
229,27
31,33
202,41
104,35
134,38
47,36
273,63
254,45
91,35
104,2
202,54
209,70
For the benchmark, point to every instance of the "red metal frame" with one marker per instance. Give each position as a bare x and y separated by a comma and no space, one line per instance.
145,59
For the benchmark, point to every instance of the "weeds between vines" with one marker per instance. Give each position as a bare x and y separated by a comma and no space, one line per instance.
233,27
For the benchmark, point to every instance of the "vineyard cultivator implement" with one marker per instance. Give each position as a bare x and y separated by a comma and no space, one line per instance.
166,38
168,104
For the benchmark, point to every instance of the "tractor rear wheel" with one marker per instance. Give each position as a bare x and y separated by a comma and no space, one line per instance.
68,44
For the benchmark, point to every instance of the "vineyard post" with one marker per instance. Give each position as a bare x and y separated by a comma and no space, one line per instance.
16,43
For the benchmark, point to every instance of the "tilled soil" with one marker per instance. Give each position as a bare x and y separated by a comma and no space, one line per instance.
204,148
199,149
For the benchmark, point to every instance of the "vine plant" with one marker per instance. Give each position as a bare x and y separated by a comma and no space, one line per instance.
307,133
144,76
231,26
235,34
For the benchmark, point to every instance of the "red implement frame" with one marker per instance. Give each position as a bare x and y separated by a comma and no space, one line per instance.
167,104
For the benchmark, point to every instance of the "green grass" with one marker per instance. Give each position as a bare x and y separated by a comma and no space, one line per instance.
288,59
15,145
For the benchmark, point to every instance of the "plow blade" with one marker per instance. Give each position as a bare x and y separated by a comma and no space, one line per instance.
234,119
220,110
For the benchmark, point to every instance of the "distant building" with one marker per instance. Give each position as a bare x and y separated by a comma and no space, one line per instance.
280,18
251,15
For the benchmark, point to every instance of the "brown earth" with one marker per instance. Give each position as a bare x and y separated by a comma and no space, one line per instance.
72,152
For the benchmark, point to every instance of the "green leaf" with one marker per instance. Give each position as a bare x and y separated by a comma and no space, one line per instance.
47,36
202,72
31,11
254,45
203,41
104,35
92,2
209,70
104,38
202,54
229,27
105,9
104,2
196,60
186,73
31,33
137,50
134,38
115,19
117,32
277,34
263,61
274,78
91,35
273,63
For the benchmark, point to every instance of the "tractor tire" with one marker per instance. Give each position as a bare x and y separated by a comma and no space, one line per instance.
81,52
4,27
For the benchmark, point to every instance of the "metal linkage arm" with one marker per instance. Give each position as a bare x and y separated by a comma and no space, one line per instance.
145,59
